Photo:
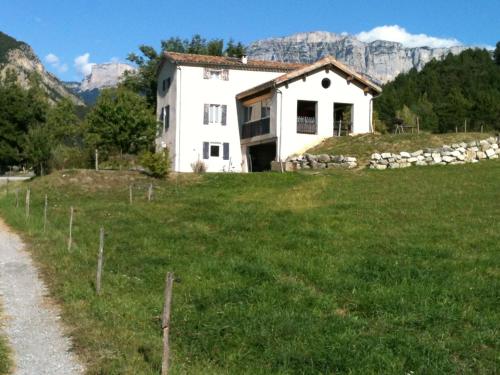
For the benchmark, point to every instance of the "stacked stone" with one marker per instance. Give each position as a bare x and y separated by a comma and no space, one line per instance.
322,161
458,153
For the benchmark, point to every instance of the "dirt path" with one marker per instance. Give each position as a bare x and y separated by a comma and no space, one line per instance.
31,320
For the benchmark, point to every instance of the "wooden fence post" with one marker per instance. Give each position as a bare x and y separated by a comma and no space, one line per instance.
418,125
96,159
166,322
150,192
45,215
7,187
70,239
130,197
465,126
17,198
482,128
27,203
100,257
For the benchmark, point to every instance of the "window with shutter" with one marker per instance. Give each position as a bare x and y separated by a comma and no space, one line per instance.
225,151
225,75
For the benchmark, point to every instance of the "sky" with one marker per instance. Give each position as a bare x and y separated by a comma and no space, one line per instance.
70,35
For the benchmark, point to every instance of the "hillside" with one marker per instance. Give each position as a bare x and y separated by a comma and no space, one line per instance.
345,272
20,58
445,94
380,60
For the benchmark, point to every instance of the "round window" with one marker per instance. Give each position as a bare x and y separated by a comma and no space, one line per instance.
326,83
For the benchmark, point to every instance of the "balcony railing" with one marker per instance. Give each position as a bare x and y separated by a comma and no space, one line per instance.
306,125
255,128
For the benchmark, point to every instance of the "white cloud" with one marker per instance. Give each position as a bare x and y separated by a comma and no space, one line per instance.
399,34
55,62
52,59
82,64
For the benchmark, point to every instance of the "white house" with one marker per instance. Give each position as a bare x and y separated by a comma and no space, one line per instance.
240,114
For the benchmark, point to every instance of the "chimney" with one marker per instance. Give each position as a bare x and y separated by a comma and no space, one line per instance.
244,59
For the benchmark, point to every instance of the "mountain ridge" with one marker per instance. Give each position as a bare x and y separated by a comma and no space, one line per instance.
380,60
18,57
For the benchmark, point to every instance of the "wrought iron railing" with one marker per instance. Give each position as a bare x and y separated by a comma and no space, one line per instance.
306,125
255,128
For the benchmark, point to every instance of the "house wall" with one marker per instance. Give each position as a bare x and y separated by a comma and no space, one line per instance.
169,97
311,89
191,92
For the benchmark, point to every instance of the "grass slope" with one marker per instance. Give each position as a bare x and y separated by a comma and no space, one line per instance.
346,272
362,146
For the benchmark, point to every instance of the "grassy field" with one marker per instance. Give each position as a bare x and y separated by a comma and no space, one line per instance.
362,146
357,272
5,362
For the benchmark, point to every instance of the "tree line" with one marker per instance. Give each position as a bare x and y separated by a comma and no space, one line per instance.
445,94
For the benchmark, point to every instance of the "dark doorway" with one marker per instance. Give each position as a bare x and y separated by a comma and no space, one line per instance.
261,156
343,118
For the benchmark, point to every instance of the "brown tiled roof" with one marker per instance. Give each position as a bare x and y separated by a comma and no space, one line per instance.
327,62
229,62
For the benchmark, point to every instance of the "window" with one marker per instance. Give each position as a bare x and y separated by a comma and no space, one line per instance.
216,74
166,118
306,117
212,150
215,114
166,84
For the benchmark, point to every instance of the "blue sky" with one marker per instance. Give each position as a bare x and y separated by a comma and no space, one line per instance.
96,31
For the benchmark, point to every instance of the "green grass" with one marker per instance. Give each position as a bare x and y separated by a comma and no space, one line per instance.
346,272
362,146
5,360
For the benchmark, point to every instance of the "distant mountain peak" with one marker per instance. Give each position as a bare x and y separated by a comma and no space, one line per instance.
105,75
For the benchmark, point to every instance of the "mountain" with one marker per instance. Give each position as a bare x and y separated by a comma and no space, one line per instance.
380,60
102,76
19,57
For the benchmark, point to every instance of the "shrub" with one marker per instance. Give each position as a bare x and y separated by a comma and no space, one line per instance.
157,164
64,157
199,167
119,162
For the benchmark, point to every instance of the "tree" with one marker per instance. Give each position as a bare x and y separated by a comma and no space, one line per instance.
121,122
38,146
63,123
497,54
215,47
234,50
20,110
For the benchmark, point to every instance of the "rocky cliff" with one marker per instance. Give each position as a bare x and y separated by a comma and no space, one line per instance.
102,76
380,60
19,58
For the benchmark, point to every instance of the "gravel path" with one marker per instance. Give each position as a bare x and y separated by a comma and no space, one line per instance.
31,320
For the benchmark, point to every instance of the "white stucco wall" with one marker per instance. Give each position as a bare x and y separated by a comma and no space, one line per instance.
192,92
163,99
311,89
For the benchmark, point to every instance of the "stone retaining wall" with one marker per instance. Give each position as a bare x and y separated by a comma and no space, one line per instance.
308,161
457,153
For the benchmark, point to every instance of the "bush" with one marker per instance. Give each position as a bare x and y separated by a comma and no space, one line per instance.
118,162
199,167
64,157
157,164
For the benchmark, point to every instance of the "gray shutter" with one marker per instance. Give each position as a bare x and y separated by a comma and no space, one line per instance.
206,73
225,75
224,115
167,117
205,114
205,150
225,151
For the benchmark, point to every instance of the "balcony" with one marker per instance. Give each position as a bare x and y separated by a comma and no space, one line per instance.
255,128
306,125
